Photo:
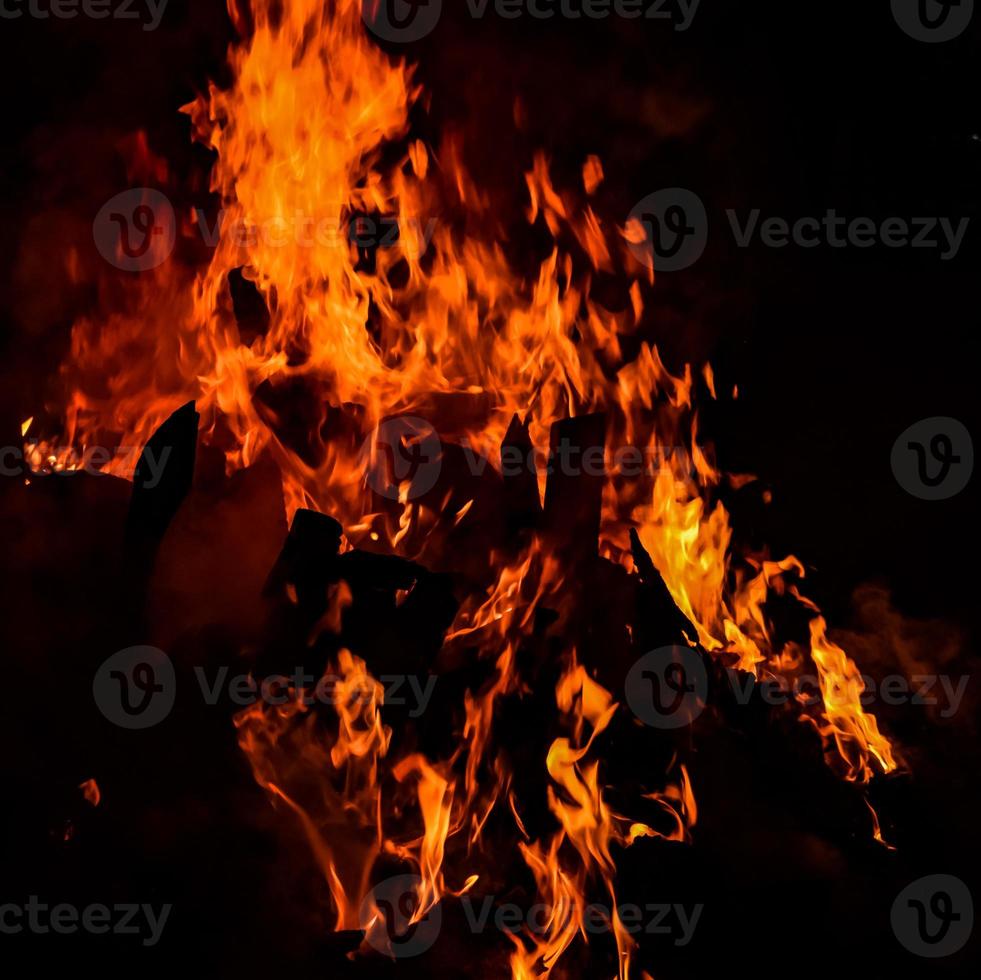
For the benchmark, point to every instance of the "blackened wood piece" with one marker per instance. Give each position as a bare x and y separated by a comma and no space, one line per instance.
308,561
425,616
659,620
522,503
365,570
574,489
249,306
163,476
295,411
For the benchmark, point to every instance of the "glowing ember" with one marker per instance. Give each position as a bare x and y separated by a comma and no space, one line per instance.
91,792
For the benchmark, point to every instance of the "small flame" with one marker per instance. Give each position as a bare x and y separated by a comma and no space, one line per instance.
91,792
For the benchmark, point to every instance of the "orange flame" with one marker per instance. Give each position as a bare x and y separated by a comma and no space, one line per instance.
91,792
328,778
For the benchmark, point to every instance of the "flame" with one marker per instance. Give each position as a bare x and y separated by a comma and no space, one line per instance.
91,792
855,733
311,135
876,828
501,621
589,828
327,776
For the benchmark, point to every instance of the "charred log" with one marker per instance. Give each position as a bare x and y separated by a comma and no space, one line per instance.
574,490
522,503
307,563
162,478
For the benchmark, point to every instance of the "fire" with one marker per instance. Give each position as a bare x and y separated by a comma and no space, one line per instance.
91,792
327,776
313,134
855,733
582,849
501,622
